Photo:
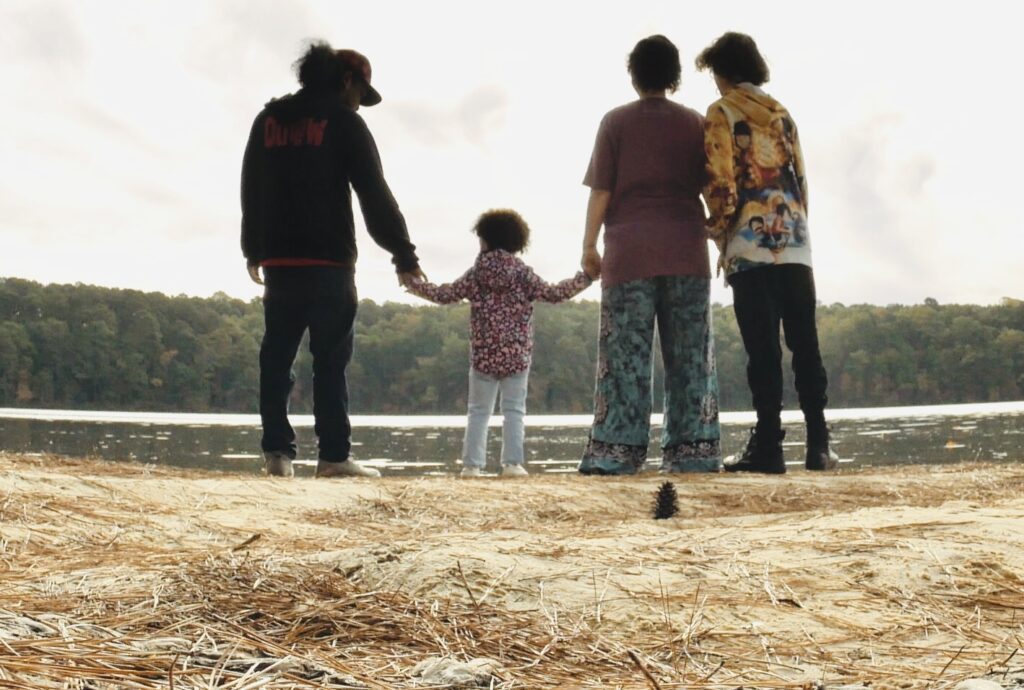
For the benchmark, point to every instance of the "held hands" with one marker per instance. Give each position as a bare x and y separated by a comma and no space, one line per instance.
591,262
409,277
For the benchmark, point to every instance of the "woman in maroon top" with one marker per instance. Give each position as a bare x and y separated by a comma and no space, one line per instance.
645,175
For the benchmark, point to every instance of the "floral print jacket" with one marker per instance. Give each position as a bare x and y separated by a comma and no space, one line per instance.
501,290
756,191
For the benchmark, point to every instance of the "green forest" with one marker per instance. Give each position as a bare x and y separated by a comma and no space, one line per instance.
85,347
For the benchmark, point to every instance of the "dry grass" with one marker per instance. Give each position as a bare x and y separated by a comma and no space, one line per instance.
123,576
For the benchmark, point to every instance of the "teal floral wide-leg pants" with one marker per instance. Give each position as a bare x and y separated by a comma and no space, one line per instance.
690,439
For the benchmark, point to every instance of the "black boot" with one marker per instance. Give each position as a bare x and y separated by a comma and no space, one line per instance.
763,454
819,455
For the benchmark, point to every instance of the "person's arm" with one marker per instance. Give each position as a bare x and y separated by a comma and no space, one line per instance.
539,289
600,178
597,208
720,189
384,220
798,168
448,293
252,233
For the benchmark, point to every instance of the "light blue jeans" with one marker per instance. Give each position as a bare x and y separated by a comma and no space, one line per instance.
483,391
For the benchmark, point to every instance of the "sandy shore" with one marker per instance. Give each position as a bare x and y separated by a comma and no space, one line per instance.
122,575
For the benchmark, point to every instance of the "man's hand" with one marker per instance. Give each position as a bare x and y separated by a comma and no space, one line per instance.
407,278
254,273
591,262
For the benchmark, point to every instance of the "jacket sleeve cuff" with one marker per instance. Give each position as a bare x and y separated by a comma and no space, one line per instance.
406,263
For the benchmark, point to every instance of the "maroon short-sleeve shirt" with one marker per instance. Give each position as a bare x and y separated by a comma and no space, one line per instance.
650,155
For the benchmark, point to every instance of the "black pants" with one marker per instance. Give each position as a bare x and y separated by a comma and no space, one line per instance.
321,299
762,297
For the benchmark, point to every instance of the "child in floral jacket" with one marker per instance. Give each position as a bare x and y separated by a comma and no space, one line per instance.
501,290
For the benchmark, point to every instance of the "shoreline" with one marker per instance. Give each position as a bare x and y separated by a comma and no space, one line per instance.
901,577
424,421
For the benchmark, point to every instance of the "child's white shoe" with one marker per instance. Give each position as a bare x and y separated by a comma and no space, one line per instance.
515,470
469,472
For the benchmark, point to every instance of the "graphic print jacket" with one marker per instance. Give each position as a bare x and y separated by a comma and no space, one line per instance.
306,152
756,190
501,290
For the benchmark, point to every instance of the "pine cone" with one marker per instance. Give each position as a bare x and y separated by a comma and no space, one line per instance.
666,501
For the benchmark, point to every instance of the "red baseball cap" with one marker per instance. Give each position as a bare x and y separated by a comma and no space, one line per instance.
358,62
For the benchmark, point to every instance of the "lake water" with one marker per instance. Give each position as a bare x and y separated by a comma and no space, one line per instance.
430,445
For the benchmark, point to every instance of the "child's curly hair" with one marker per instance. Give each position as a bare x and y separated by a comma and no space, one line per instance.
503,229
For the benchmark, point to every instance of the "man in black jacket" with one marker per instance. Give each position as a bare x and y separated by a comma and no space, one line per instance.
305,154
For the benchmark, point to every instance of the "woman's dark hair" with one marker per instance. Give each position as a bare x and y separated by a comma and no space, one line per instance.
735,57
320,68
503,229
654,64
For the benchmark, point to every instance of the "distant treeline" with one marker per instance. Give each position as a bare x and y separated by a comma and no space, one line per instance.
78,346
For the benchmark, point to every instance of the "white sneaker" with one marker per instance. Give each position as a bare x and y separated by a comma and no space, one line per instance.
469,472
514,470
277,464
349,468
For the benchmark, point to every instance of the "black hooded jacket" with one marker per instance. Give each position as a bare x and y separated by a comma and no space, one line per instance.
306,152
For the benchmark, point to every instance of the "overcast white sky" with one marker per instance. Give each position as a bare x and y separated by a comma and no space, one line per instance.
122,126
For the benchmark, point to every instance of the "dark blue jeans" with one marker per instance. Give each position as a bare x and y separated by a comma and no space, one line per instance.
762,298
322,300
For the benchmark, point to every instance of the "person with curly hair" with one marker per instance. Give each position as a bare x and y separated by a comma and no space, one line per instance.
645,177
306,152
501,290
770,271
